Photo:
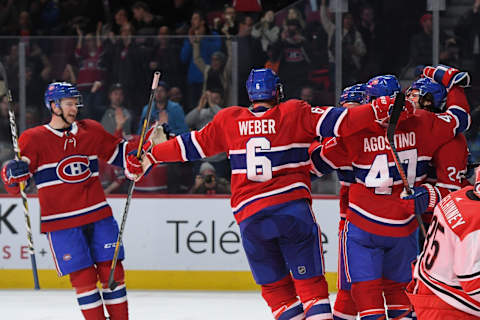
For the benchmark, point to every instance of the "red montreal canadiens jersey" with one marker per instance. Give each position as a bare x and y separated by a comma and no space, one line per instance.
374,200
267,148
65,169
449,264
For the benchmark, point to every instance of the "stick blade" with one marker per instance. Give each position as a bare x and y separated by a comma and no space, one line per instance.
395,116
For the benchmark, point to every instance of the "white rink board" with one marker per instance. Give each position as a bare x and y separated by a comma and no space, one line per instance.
161,234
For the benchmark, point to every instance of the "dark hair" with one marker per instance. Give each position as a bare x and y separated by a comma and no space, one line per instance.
141,5
115,86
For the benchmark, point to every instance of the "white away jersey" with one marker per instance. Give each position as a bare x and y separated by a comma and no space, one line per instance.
449,264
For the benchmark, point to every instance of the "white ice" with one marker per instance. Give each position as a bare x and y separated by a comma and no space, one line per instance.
143,305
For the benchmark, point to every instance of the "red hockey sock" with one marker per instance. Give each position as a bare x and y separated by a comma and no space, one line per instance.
314,295
115,300
344,307
282,299
85,283
398,304
368,299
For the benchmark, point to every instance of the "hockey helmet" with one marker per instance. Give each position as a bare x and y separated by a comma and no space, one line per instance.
59,90
262,84
355,93
437,92
386,85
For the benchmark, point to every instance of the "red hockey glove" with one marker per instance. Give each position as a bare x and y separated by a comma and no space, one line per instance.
476,186
448,76
382,107
15,171
133,168
424,198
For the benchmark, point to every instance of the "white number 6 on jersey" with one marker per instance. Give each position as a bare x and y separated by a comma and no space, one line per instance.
259,168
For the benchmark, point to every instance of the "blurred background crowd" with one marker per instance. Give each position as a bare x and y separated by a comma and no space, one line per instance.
205,50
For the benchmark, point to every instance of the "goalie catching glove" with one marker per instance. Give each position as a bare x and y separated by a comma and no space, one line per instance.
448,76
423,199
136,168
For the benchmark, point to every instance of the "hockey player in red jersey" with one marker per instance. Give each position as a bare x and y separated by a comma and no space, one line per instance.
446,282
268,149
62,157
450,160
344,307
380,239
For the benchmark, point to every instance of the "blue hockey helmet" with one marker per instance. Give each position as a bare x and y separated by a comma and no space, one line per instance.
428,86
355,93
262,84
59,90
386,85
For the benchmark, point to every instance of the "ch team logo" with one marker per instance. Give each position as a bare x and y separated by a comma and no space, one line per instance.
74,169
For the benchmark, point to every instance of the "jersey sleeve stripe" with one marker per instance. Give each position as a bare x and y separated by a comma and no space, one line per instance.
462,118
448,186
191,151
329,124
197,145
118,156
286,158
320,121
182,148
346,176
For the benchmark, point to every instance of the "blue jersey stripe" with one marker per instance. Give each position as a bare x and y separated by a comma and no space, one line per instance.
50,174
330,120
462,117
190,149
422,169
346,176
118,160
278,158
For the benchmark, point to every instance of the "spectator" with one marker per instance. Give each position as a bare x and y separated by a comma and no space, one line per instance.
117,120
91,73
206,182
308,94
421,44
266,30
175,94
145,22
218,73
250,55
273,59
370,32
165,111
121,20
208,46
228,25
165,57
122,65
353,46
467,31
294,60
294,14
209,105
24,27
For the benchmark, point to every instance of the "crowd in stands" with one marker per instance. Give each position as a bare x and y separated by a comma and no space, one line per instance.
110,50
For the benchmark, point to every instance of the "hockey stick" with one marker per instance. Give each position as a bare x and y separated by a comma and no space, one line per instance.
392,125
16,149
112,284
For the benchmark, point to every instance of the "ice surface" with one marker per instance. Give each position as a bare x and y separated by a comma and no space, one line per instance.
143,305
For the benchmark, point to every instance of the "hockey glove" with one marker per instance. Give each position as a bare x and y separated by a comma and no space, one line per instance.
424,198
448,76
383,106
133,168
15,171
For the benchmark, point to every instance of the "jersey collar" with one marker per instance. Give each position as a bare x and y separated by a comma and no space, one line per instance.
59,133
